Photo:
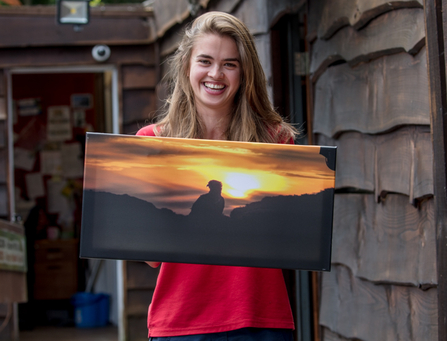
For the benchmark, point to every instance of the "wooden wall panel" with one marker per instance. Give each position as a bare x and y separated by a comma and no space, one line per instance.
42,31
82,55
223,5
136,328
356,13
169,13
267,13
391,242
13,287
436,26
138,76
355,159
138,105
132,127
257,24
373,97
359,309
404,163
397,162
329,335
138,302
395,31
2,84
141,276
315,11
171,40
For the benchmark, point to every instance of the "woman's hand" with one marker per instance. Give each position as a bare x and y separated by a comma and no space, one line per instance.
153,264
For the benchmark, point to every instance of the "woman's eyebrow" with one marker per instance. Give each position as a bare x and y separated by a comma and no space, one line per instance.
225,60
204,56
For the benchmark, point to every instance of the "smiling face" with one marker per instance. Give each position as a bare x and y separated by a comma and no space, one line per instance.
214,73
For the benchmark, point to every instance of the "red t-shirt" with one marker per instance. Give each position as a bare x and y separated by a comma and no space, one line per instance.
199,299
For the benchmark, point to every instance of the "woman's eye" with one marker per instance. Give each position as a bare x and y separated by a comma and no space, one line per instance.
204,61
230,65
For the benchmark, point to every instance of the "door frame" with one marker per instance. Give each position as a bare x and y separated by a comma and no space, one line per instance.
115,130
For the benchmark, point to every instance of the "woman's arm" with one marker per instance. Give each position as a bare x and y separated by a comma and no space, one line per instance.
153,264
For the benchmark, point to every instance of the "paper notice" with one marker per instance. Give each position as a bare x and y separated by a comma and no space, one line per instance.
50,162
56,201
34,185
24,159
59,124
72,161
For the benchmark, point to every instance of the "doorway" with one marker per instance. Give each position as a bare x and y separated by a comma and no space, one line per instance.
50,110
290,98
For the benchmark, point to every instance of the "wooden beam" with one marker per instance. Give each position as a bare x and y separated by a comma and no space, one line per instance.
436,26
80,55
138,76
25,31
118,10
2,84
393,32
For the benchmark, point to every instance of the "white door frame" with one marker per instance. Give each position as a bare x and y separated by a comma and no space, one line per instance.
115,130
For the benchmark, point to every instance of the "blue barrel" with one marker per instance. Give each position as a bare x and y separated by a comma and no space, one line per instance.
90,310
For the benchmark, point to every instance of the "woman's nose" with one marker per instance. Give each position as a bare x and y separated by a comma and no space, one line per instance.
215,72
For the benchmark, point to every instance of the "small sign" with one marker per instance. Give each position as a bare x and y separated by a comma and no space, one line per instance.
301,63
29,106
59,124
82,101
12,251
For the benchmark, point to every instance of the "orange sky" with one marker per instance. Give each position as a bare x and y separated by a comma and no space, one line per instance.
173,173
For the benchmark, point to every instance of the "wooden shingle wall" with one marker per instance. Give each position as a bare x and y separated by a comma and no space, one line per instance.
368,65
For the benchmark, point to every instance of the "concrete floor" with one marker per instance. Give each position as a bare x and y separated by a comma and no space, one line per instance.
109,333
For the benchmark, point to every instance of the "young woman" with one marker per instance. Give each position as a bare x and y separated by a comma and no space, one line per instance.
219,92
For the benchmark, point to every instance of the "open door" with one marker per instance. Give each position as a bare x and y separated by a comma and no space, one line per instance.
49,112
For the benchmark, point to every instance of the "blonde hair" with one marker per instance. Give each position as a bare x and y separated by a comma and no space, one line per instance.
253,118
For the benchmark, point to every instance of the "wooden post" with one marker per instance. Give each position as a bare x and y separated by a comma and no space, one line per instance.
435,26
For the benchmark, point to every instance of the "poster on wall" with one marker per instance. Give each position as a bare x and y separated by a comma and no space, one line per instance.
12,250
59,124
81,101
29,106
208,202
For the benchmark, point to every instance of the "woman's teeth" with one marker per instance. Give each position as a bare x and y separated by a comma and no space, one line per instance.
214,86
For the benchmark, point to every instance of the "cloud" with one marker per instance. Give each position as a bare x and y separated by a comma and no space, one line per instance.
172,173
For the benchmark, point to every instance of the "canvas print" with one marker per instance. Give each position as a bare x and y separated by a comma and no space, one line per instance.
208,202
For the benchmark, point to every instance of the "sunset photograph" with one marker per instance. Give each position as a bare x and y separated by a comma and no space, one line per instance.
203,201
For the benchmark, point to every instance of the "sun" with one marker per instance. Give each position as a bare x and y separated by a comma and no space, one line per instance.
239,185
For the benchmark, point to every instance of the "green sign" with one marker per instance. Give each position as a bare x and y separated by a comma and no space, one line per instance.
12,251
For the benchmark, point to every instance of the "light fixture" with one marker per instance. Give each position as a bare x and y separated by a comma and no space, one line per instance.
75,12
